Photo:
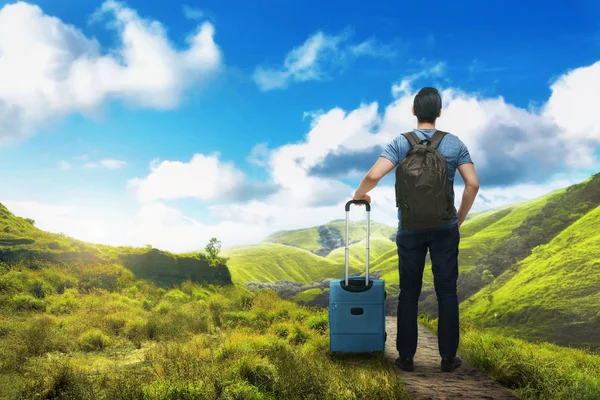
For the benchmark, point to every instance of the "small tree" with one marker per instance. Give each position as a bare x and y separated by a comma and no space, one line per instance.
31,221
212,251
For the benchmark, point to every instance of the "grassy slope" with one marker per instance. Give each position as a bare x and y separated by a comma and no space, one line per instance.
275,262
15,231
21,241
553,294
206,342
532,370
480,234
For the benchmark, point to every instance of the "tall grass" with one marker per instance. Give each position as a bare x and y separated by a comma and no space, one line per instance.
535,370
131,340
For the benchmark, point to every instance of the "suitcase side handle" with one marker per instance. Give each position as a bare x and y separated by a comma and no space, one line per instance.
368,207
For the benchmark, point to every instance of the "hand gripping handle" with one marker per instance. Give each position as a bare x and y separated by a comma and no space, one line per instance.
366,203
368,206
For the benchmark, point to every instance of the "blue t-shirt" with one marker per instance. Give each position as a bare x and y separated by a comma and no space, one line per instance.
451,147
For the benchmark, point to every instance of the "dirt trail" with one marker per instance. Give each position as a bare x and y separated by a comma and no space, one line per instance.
427,382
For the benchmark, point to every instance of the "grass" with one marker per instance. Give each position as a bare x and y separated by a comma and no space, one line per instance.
275,262
136,340
552,294
532,370
307,295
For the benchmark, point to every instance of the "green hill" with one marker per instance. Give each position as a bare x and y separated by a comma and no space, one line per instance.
553,294
21,243
491,242
322,239
277,262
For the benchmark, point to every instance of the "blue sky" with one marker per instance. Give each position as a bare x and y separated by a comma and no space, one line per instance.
82,115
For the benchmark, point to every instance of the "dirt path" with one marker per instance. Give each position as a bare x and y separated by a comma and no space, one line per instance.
427,382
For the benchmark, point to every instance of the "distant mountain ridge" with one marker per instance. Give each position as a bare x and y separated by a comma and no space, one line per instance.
323,239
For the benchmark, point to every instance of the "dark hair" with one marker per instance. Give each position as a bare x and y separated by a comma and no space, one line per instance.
427,104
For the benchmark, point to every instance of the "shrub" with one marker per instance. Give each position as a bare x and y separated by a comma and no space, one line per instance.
104,276
148,304
298,336
55,378
319,323
94,340
136,331
40,288
256,370
115,322
232,319
63,305
26,302
58,280
43,335
176,296
281,329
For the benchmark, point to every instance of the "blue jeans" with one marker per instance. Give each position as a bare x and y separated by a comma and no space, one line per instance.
443,249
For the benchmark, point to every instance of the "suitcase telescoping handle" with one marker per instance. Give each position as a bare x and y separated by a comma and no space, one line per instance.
368,207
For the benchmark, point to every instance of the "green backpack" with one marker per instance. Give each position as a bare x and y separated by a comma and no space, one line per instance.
423,191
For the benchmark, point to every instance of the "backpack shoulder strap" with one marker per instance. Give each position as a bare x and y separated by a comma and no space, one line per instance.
412,138
437,138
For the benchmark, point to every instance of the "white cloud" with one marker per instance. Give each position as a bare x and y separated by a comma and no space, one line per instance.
573,106
314,60
192,12
167,228
304,200
259,154
404,87
64,165
113,164
204,177
51,69
108,163
480,122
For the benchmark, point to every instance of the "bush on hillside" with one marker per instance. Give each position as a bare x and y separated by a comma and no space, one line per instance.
94,340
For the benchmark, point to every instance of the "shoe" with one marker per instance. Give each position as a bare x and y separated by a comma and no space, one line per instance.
449,364
406,363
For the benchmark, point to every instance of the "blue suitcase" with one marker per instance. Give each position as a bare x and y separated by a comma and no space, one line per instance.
357,306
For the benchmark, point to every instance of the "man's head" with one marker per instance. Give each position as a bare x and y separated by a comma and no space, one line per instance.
427,106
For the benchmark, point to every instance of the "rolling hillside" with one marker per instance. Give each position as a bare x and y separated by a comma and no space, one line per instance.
24,244
553,294
271,262
491,243
322,239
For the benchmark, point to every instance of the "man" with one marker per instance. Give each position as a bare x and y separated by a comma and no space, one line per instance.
442,242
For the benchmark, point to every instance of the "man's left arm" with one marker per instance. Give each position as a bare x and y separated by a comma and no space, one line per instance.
381,167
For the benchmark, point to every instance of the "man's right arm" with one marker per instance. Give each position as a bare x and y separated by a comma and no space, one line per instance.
467,172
